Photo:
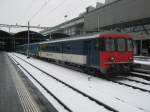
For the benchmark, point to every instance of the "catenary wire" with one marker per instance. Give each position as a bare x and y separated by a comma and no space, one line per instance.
41,8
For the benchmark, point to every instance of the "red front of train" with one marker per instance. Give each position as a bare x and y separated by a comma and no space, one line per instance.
116,55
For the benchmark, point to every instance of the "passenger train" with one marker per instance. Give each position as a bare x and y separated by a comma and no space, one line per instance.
107,53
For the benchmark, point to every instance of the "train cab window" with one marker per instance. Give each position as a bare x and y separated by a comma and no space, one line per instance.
129,45
121,45
109,44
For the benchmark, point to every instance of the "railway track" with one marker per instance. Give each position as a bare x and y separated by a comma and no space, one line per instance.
135,86
49,92
119,82
114,81
141,74
128,85
67,85
133,80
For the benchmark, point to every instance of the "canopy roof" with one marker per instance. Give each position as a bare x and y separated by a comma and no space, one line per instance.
4,34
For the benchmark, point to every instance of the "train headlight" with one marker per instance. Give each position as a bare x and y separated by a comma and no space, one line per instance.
130,59
112,59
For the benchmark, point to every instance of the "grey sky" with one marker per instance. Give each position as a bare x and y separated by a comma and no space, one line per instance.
51,14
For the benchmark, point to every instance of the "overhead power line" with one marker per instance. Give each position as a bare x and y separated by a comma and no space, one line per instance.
58,6
27,10
42,7
70,10
55,8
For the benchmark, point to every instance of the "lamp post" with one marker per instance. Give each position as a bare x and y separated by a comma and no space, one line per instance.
66,17
28,48
98,23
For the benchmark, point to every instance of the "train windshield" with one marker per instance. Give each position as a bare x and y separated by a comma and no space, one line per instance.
121,45
116,44
109,44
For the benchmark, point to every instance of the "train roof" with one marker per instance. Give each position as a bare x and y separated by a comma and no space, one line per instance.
90,36
114,35
71,39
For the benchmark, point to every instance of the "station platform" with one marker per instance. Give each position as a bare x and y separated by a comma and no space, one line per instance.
15,94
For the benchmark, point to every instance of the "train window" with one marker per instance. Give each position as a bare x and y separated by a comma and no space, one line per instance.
109,44
57,48
129,45
53,48
50,48
68,47
121,43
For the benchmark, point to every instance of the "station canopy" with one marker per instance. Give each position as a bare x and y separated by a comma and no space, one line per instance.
22,37
4,34
8,41
5,40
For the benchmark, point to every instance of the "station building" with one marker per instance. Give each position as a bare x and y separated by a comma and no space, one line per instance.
129,16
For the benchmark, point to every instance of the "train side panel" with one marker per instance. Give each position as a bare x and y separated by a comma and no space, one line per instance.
82,52
72,52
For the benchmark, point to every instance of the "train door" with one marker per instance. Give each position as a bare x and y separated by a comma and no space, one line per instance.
92,52
87,51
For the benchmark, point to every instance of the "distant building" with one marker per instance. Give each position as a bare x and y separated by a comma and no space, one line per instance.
120,15
72,27
98,5
109,1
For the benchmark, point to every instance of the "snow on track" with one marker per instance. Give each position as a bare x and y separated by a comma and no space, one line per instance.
132,83
138,79
141,74
122,98
43,91
72,99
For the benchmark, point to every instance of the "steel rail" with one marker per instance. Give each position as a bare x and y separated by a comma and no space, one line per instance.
137,74
126,78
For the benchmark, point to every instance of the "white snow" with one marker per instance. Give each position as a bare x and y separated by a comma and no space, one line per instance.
142,74
138,79
143,62
76,102
122,98
43,91
147,87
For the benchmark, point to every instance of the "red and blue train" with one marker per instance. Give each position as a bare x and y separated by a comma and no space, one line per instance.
108,53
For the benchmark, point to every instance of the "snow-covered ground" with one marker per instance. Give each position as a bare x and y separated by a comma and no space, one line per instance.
142,61
122,98
64,93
